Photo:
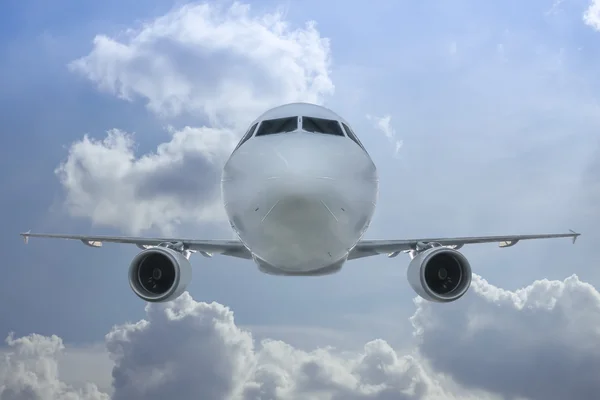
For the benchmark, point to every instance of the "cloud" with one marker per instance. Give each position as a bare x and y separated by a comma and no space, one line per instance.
206,58
383,124
538,342
220,63
30,371
591,16
211,359
106,182
555,8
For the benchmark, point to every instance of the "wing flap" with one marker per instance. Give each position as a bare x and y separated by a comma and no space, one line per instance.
91,243
508,243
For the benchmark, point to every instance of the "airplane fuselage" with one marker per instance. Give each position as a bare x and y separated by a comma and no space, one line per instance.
299,200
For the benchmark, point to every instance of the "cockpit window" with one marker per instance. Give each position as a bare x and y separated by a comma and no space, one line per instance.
319,125
279,125
246,136
352,136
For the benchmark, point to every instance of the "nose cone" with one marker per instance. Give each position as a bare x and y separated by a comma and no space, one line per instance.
299,201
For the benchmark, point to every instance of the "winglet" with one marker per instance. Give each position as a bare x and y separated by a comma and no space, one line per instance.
26,236
575,235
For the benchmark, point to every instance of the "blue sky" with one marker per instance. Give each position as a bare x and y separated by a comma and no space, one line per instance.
495,105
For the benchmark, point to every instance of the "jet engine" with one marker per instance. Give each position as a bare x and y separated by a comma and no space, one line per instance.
159,274
440,274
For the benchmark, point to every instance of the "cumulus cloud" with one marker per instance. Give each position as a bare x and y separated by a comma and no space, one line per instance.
106,182
29,370
539,342
223,64
211,59
384,125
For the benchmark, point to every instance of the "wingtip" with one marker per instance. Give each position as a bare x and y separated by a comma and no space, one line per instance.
575,235
25,236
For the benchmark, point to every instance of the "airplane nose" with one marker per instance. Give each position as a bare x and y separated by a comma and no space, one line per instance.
299,200
307,216
303,200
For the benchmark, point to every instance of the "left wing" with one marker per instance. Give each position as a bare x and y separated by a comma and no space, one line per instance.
392,248
233,248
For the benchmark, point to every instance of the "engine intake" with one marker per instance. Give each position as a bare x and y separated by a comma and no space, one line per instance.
159,274
440,274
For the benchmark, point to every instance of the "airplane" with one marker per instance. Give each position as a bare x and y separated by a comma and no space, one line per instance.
300,191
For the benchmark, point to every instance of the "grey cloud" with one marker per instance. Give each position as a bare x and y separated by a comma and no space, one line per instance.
196,350
29,371
186,350
539,342
106,182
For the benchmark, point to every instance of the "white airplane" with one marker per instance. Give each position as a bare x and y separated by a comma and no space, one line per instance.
300,191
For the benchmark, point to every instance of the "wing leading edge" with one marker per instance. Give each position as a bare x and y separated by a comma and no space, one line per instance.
232,248
364,248
367,248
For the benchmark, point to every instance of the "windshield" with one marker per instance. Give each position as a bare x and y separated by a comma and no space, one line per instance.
352,136
246,136
279,125
319,125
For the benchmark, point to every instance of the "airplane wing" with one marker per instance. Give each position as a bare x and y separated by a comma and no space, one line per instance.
207,248
392,248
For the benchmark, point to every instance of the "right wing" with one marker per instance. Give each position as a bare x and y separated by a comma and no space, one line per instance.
367,248
232,248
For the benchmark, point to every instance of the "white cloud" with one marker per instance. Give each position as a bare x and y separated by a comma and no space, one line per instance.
591,16
383,124
539,342
30,371
107,183
220,63
555,8
223,62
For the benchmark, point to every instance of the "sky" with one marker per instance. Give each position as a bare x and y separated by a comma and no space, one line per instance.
482,118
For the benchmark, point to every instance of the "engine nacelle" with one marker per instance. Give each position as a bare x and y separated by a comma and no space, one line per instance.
159,274
440,274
